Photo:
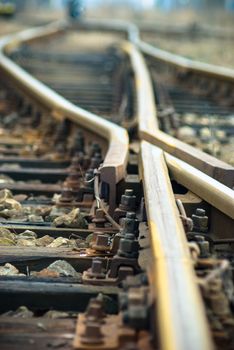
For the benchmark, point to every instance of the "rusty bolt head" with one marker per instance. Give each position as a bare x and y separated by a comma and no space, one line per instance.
96,270
102,240
66,195
92,334
95,310
99,220
96,266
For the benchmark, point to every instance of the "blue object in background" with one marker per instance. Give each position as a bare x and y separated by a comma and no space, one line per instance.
229,5
74,9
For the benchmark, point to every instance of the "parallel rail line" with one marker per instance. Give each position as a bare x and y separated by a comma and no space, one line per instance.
167,274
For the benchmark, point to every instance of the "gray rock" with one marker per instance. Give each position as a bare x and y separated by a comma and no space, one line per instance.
63,268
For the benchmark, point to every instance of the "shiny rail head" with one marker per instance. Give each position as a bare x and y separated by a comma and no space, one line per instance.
180,312
215,193
148,125
210,70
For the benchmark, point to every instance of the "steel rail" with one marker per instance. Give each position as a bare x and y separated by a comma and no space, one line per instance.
188,65
129,29
114,166
180,326
212,191
193,29
149,131
179,308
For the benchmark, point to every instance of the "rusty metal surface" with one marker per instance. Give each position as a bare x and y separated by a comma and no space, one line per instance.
125,241
116,158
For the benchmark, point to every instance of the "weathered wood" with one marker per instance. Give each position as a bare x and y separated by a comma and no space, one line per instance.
48,230
51,295
36,333
37,258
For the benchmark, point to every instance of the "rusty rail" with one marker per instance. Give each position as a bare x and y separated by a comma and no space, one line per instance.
114,166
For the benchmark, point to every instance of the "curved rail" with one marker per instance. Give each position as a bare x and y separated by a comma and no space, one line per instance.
190,29
213,192
181,327
149,131
187,64
114,166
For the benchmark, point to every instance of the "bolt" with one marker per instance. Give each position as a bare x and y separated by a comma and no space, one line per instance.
95,311
128,201
92,334
128,246
101,243
96,161
99,220
77,161
204,246
79,142
96,270
66,195
72,180
95,148
130,224
200,220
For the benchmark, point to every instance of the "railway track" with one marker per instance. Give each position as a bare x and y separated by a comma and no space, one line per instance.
192,105
199,105
100,250
96,76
